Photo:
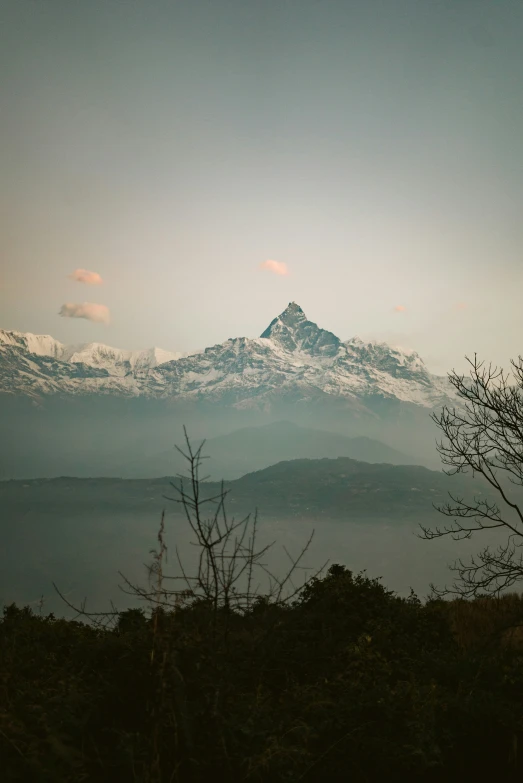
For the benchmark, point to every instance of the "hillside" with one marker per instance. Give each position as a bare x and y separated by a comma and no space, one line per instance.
340,488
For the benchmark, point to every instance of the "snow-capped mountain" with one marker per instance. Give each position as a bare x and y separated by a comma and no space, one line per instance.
116,361
38,364
92,354
293,359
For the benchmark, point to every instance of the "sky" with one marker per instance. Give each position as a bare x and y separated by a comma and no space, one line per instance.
174,173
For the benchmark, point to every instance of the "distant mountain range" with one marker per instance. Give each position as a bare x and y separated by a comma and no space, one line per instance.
253,448
49,366
293,359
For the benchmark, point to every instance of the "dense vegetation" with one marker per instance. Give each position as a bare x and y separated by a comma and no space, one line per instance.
347,682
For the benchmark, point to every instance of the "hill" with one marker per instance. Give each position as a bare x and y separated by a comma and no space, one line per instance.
340,488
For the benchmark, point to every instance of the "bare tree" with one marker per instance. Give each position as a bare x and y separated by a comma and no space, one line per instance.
484,437
226,555
226,552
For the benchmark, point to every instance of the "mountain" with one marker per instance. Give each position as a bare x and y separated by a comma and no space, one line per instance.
297,361
349,489
294,360
37,364
252,448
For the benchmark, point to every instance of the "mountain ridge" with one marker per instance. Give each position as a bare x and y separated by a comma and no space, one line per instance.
248,449
339,488
94,354
293,359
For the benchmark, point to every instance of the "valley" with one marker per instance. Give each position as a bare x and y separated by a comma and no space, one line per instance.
80,532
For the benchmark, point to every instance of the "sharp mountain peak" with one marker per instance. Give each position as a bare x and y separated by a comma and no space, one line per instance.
294,332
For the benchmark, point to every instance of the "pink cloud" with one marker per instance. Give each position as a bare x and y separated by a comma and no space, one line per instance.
461,306
278,267
399,309
85,276
88,310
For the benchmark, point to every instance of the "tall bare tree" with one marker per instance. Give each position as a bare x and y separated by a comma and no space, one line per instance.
484,437
226,554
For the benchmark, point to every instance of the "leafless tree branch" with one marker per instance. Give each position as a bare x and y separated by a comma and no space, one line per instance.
484,436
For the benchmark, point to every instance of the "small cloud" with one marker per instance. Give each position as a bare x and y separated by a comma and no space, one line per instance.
85,276
399,309
88,310
278,267
461,306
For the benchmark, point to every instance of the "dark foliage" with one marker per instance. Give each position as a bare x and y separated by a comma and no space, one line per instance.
349,682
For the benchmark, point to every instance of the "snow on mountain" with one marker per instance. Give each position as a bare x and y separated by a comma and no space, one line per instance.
296,359
92,354
293,359
37,364
115,360
39,344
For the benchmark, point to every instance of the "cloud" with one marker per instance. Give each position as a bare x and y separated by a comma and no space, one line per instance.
278,267
461,306
85,276
399,309
88,310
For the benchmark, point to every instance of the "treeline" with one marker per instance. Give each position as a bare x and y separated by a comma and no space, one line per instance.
347,682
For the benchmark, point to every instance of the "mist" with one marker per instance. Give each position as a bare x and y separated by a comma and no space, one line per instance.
83,552
97,436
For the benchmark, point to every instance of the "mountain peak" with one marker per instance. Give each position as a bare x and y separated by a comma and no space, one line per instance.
290,317
294,332
293,310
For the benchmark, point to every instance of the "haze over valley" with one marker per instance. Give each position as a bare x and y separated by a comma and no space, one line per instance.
83,531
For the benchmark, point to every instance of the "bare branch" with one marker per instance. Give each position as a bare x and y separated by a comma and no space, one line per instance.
484,436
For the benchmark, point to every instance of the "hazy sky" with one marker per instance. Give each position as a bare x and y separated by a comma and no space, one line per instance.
373,148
